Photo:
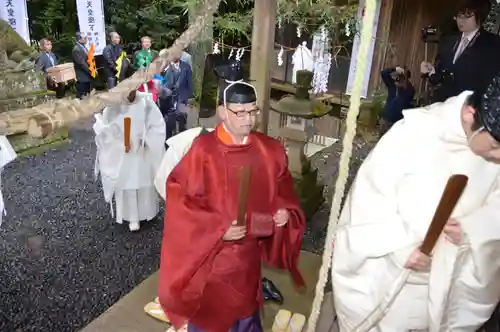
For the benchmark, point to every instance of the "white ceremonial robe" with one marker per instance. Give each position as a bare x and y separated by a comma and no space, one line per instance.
387,214
129,177
7,154
178,146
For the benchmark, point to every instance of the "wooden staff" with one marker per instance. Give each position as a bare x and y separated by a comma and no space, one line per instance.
243,191
454,189
127,125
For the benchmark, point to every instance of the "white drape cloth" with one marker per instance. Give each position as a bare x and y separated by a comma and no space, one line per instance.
302,59
387,214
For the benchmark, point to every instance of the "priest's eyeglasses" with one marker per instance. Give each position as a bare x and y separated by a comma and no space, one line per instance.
242,114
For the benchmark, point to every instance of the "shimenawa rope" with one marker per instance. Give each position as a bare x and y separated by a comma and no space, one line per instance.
345,158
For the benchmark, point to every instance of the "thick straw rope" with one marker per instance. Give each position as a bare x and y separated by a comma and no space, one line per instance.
345,158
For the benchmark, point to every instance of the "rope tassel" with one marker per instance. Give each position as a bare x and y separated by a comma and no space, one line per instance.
345,157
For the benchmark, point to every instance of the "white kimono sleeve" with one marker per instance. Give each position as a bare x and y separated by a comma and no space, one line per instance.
476,291
155,135
375,229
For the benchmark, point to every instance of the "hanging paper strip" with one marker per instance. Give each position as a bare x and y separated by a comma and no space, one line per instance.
15,12
91,21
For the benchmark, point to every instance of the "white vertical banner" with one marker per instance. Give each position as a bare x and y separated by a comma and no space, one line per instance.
91,21
15,12
355,47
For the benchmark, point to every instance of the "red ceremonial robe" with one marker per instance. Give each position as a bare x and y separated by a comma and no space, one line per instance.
203,279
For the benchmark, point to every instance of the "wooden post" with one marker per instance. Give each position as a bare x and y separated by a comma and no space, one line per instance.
264,25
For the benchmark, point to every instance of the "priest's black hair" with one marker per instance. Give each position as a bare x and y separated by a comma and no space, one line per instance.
475,100
480,9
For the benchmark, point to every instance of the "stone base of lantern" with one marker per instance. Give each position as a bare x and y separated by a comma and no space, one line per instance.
295,141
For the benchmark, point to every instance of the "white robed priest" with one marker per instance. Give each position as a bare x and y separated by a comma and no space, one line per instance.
7,154
129,176
389,209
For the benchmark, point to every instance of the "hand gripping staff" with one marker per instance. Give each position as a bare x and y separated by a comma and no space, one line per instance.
451,194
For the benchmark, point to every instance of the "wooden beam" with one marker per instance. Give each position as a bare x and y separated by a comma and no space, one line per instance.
381,44
264,25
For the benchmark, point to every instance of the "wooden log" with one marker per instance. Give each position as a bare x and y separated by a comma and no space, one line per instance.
96,102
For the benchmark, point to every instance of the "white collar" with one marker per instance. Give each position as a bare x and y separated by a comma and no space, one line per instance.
469,35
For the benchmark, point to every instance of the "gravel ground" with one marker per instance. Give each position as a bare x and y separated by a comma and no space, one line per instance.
63,261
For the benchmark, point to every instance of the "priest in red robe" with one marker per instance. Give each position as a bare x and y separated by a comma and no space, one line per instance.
210,273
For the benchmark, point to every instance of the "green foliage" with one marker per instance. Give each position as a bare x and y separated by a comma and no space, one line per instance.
233,20
133,19
311,14
56,20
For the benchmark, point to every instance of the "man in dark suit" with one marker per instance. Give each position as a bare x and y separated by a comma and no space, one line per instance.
47,60
80,61
111,53
178,80
469,60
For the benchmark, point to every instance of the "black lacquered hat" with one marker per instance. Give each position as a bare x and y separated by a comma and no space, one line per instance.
489,114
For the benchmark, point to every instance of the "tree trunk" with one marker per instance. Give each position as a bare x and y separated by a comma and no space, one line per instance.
200,48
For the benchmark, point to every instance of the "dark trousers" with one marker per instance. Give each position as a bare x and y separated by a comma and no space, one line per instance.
59,88
384,126
171,121
82,89
111,82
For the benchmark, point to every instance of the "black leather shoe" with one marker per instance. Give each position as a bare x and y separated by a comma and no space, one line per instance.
271,292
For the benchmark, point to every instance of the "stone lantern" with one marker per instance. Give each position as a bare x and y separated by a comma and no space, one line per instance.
298,113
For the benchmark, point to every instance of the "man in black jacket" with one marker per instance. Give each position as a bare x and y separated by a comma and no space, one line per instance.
80,61
111,53
469,60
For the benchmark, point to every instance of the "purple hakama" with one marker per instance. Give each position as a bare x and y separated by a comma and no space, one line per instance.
249,324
